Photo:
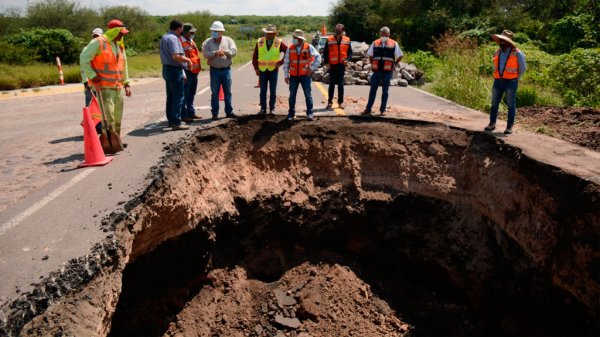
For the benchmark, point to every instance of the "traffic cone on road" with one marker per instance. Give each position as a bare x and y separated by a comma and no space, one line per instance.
221,94
93,153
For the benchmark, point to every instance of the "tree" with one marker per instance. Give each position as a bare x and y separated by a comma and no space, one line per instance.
63,14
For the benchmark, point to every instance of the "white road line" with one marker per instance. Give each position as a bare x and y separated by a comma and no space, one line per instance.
37,206
244,66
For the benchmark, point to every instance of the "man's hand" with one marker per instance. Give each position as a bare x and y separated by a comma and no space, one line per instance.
287,80
309,71
96,79
345,62
257,72
327,66
86,85
220,53
127,91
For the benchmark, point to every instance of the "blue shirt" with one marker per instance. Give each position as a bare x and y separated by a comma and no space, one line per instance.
169,45
520,60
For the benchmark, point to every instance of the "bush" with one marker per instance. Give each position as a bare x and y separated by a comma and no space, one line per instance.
425,61
577,77
572,32
526,96
46,44
13,54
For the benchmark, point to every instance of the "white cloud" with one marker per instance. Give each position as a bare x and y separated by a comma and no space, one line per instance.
218,7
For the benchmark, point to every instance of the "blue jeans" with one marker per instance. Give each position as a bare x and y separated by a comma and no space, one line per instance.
174,82
509,89
188,110
336,76
218,78
379,76
268,78
295,81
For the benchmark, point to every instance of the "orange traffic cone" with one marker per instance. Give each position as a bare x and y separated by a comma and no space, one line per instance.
93,153
221,94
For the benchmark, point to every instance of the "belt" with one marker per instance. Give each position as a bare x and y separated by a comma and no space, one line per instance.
170,66
226,68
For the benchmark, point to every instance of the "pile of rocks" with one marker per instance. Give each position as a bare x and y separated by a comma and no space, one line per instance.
359,70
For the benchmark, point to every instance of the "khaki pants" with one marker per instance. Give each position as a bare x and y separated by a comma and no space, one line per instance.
112,106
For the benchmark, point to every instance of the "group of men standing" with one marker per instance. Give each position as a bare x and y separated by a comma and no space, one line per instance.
104,70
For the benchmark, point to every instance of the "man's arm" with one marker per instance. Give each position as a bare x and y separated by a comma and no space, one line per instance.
286,65
522,63
317,58
325,54
232,51
85,60
255,59
398,53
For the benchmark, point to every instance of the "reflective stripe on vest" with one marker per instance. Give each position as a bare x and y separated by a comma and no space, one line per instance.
299,64
385,54
108,66
338,53
268,58
191,52
511,68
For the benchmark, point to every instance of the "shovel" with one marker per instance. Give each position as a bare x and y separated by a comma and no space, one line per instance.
110,141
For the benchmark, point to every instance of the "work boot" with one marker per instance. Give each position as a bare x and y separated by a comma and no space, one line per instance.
188,120
271,112
196,117
180,127
262,112
508,130
329,105
367,112
490,127
310,117
341,105
231,115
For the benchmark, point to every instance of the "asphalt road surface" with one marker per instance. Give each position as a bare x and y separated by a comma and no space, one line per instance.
50,211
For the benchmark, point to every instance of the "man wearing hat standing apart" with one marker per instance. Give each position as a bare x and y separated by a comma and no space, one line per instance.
300,62
335,58
219,51
384,54
88,94
188,112
104,67
266,61
509,66
173,59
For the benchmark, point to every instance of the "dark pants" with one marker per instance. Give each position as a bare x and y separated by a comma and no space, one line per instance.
218,78
383,77
295,82
336,76
188,110
174,83
268,78
509,89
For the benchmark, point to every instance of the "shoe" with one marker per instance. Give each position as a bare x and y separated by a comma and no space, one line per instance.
490,127
215,117
328,106
262,112
124,145
188,120
310,117
271,112
341,105
196,117
180,127
231,115
508,130
381,113
367,112
289,118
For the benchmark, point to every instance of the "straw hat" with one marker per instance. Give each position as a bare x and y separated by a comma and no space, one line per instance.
506,35
299,34
270,29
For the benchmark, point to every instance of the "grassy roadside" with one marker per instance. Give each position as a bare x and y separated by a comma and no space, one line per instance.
42,74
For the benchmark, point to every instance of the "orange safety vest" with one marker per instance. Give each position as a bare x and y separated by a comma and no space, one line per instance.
338,53
383,54
108,66
511,68
300,63
191,52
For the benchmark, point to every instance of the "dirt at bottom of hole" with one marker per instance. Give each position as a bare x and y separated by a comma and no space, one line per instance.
307,301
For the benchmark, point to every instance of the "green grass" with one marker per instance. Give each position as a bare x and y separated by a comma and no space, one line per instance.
14,77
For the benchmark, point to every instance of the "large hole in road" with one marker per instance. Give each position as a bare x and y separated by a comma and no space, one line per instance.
360,227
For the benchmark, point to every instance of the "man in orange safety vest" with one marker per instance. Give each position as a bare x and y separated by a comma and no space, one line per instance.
335,58
188,112
509,66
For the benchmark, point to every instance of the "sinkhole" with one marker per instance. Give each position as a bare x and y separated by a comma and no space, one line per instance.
356,227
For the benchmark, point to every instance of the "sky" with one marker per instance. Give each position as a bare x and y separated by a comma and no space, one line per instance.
217,7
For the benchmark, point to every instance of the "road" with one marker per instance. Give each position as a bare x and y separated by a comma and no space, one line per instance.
50,211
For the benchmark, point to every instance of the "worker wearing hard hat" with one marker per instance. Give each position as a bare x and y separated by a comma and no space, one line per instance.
219,51
104,68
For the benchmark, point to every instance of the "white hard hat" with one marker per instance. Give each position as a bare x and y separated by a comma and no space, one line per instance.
97,31
217,26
